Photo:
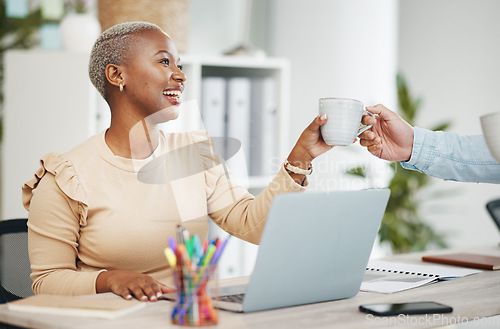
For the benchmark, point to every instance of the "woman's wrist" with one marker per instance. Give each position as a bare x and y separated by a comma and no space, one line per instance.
101,284
299,158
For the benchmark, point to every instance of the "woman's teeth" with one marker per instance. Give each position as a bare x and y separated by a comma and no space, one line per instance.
172,93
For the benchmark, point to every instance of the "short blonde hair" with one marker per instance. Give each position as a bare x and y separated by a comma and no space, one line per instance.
111,48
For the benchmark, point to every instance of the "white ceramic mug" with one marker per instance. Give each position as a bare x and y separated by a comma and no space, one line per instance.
344,120
491,131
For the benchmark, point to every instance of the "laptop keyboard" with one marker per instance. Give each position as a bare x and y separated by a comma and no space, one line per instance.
238,298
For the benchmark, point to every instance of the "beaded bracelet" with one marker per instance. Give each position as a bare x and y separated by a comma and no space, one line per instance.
297,170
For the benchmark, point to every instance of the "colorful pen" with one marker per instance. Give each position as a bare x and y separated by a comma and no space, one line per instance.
219,251
171,258
180,238
171,243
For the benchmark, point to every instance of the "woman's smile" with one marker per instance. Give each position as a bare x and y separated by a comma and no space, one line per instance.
173,95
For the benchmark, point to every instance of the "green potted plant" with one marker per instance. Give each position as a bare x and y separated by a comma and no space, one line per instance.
402,226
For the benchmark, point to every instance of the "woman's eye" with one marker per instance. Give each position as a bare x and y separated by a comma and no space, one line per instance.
165,61
180,67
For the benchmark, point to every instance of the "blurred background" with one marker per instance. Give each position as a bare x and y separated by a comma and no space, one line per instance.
445,52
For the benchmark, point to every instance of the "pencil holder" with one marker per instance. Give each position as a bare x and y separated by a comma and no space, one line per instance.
192,271
193,305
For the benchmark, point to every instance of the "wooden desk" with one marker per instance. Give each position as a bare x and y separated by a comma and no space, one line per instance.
471,297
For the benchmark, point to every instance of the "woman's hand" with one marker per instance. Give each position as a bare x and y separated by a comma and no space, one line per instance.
309,146
127,283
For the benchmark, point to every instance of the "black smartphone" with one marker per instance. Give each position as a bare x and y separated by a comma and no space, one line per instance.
405,308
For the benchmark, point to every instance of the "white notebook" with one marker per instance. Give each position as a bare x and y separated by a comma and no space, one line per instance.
82,306
389,277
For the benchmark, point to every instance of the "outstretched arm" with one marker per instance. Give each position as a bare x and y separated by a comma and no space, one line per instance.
435,153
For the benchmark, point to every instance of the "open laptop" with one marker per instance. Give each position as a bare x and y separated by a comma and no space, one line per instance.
314,248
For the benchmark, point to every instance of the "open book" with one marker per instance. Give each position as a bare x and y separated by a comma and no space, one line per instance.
92,306
389,277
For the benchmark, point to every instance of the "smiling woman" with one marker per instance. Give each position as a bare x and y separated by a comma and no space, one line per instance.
100,214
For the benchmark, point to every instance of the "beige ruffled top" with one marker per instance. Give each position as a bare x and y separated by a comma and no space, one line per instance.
90,210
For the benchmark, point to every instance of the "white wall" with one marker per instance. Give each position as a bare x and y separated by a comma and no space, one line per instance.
339,48
216,26
449,52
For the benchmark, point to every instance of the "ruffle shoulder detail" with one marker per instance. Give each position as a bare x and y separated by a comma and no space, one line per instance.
66,178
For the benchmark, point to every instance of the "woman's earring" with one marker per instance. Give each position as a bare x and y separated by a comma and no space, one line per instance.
121,87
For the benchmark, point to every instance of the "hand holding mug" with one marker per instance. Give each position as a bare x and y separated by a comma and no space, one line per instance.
390,138
344,120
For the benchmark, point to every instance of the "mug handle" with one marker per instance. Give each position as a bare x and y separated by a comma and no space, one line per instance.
365,128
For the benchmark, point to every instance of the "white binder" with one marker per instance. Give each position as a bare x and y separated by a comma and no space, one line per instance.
263,135
213,109
238,126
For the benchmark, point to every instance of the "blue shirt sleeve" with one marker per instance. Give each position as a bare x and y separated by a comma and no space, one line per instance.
453,157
